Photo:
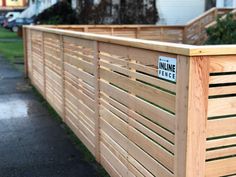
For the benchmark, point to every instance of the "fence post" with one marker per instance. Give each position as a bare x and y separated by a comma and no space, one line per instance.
31,56
25,40
97,100
62,78
185,33
191,116
44,68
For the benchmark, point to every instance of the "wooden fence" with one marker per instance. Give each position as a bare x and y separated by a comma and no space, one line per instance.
148,32
223,17
110,91
193,32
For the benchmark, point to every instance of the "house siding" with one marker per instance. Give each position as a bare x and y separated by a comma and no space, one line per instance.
178,12
226,3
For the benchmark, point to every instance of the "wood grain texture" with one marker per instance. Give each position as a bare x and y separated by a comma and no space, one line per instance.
191,109
97,100
136,124
222,64
221,127
221,106
25,45
215,143
222,167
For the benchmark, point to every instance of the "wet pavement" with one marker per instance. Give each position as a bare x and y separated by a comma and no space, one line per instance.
32,143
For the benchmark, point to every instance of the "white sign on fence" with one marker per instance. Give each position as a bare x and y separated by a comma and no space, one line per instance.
167,68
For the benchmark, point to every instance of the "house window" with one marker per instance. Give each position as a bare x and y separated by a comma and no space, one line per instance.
228,3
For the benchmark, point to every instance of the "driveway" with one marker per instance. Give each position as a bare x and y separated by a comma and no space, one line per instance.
32,143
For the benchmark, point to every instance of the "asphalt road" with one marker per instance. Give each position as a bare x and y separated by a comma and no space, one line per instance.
32,143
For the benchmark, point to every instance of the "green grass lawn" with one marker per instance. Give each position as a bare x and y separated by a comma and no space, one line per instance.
4,33
11,46
12,51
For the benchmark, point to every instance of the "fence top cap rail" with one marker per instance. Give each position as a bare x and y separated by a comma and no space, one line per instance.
114,26
173,48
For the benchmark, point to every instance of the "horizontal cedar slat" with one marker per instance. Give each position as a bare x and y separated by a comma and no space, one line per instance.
161,98
221,167
142,120
141,76
221,106
114,121
80,74
113,160
114,60
135,124
81,136
120,139
224,90
148,162
221,142
221,127
110,142
79,62
83,56
153,149
109,168
224,152
222,64
79,42
152,135
135,164
222,79
155,114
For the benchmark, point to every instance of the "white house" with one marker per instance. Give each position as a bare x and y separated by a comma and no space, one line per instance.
36,7
178,12
226,3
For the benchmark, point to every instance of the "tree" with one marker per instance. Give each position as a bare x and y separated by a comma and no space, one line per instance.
224,32
126,12
60,13
210,4
138,12
91,14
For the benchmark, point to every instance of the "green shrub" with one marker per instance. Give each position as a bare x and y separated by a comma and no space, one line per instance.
60,13
224,32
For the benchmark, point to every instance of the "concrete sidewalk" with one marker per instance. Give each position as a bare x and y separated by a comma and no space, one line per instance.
32,144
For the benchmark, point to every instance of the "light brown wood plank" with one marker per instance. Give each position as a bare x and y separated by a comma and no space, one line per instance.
223,79
222,64
221,142
221,127
222,167
224,90
221,106
191,117
155,114
224,152
161,98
